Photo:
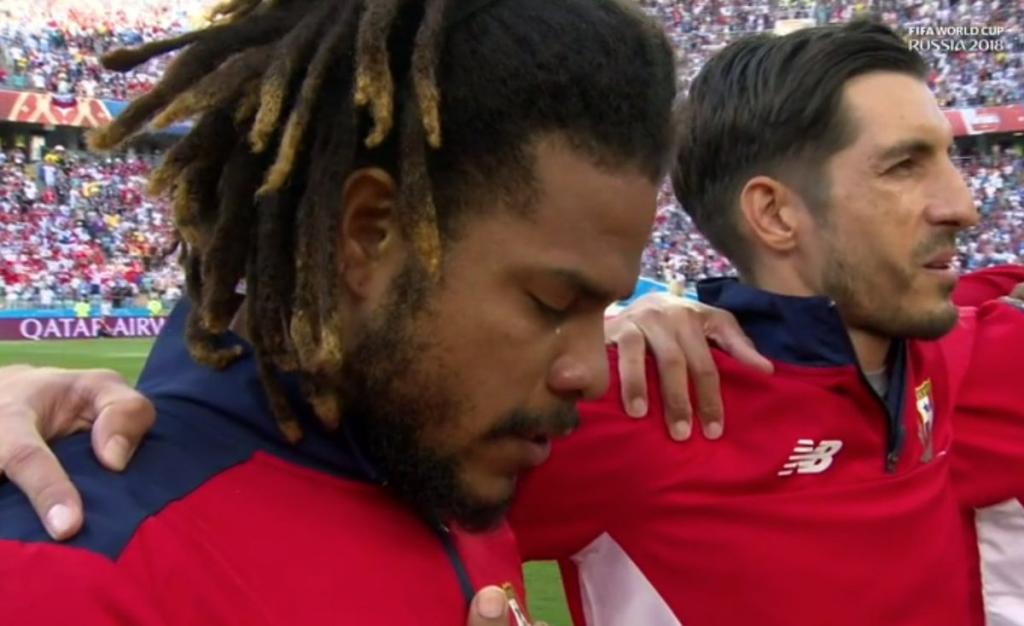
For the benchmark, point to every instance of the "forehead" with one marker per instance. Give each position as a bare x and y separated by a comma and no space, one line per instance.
886,107
583,217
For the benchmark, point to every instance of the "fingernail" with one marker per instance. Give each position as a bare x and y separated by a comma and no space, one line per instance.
59,520
490,604
680,431
117,451
713,430
637,408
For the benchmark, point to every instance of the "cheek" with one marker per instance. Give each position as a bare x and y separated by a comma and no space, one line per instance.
499,354
478,375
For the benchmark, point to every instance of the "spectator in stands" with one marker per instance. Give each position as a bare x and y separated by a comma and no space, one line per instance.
85,231
56,45
85,219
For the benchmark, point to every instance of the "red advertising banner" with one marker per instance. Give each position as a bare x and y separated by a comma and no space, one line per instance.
980,121
50,328
52,109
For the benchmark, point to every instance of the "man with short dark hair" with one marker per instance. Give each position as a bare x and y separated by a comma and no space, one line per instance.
844,493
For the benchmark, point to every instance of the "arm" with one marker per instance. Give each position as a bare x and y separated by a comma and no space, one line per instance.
988,444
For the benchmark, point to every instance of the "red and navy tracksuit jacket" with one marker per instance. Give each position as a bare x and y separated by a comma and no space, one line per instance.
218,521
824,505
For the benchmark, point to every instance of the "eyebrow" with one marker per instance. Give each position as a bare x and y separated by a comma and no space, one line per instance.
909,146
588,288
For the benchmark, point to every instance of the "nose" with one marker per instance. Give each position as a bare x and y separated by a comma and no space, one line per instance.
953,204
581,369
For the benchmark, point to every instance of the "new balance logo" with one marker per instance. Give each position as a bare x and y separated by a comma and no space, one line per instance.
808,458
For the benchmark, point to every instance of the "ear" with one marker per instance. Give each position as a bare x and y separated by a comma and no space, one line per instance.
771,213
370,243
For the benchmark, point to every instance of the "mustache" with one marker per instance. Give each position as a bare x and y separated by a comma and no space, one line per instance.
942,242
529,424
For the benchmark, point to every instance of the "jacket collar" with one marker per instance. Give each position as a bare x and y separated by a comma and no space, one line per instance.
233,400
798,330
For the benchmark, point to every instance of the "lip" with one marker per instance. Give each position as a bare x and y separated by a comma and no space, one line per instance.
941,262
537,450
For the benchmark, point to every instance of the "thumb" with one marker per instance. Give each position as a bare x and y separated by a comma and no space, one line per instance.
489,608
122,423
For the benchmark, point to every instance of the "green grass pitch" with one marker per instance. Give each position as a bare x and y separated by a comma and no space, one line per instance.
127,356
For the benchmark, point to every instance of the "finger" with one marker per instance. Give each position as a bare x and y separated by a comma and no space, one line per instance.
726,332
743,350
704,374
489,608
1018,292
29,463
632,370
673,371
123,417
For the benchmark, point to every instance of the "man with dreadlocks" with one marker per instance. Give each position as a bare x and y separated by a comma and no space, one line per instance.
431,203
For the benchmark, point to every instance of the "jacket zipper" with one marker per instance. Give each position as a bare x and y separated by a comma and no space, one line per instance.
461,573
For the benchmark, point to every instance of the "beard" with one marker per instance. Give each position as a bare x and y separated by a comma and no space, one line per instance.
398,394
878,296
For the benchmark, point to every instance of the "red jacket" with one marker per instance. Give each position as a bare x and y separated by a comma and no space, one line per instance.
823,505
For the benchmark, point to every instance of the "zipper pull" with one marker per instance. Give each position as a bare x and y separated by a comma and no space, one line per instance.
891,461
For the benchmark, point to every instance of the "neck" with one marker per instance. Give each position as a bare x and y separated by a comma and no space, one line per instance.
871,349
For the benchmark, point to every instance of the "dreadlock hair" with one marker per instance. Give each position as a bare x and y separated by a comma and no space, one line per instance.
289,97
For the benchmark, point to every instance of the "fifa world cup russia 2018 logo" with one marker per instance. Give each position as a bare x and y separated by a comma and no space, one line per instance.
926,411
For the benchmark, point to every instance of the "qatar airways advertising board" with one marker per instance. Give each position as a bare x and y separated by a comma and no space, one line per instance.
45,329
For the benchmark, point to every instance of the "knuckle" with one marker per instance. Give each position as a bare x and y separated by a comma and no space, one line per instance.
672,360
629,342
22,457
651,315
103,376
704,369
678,405
138,407
631,335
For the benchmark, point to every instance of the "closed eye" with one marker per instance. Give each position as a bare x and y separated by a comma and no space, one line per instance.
552,313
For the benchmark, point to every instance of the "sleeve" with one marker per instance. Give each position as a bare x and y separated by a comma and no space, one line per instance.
591,482
988,444
54,585
977,288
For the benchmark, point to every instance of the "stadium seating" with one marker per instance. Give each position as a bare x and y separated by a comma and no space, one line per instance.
79,225
980,78
55,45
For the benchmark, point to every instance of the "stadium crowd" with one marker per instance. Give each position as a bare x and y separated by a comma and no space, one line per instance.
77,228
963,79
55,45
78,225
